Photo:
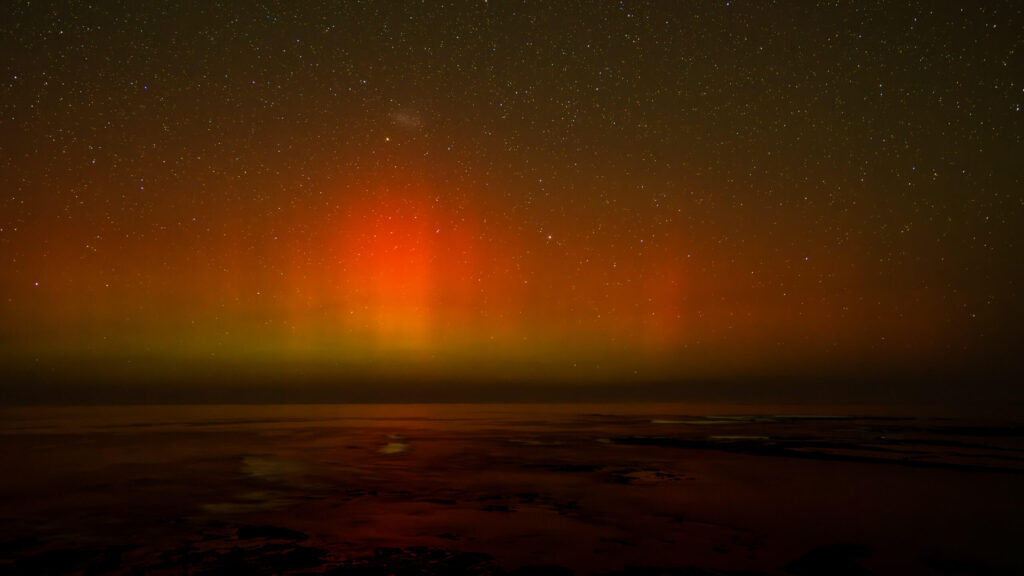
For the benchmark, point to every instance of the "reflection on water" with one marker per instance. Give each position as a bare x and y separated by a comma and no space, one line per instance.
495,488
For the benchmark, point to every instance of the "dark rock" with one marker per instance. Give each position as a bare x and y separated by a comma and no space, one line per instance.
541,571
270,533
71,560
832,560
445,501
957,566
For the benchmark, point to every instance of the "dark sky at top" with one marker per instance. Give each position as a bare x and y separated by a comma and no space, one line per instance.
472,195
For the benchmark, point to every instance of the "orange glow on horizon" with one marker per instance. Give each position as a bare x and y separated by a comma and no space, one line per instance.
395,270
389,268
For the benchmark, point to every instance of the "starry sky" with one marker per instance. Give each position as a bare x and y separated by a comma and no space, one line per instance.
517,195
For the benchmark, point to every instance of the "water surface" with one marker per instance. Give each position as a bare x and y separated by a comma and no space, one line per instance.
493,489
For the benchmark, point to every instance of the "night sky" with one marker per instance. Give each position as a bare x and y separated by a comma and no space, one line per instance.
517,195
